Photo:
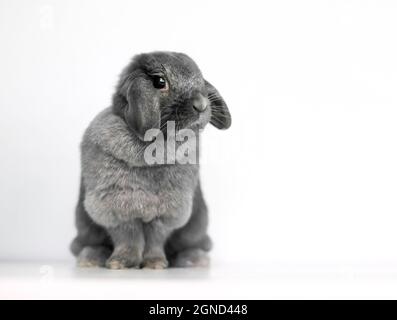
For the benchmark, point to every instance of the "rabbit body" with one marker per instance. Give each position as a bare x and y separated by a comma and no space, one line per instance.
119,192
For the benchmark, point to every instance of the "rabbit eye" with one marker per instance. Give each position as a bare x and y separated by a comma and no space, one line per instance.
160,83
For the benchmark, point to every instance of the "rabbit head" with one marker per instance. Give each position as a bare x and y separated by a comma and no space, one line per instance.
165,86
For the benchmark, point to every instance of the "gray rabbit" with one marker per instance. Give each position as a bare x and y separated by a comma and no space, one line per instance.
132,214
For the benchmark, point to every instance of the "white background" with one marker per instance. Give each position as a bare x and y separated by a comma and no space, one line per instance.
307,174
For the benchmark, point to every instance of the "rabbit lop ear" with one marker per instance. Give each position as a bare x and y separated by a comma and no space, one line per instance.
143,112
220,115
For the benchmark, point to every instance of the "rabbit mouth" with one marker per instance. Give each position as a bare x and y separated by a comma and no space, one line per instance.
183,117
203,119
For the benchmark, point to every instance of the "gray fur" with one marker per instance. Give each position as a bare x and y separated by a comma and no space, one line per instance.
129,213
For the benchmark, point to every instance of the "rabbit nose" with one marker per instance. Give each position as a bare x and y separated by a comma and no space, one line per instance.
200,103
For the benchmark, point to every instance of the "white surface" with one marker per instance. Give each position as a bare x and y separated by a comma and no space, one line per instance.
222,281
306,175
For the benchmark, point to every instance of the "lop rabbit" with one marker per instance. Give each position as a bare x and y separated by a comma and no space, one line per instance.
132,214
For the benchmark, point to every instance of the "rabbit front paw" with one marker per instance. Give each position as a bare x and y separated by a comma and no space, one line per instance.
124,259
155,263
